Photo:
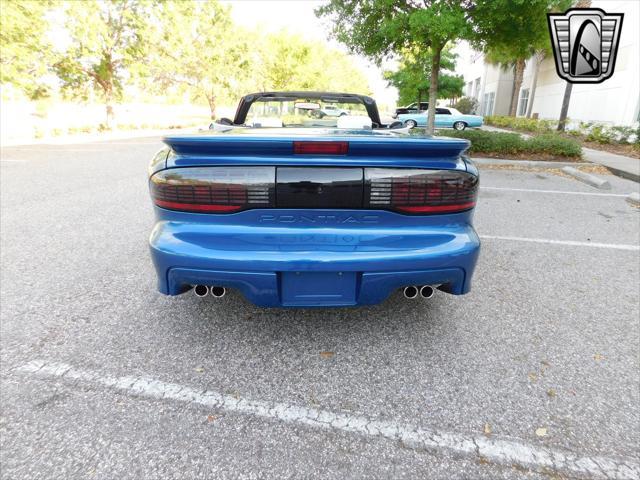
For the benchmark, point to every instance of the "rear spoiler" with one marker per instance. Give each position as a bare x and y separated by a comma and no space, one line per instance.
365,150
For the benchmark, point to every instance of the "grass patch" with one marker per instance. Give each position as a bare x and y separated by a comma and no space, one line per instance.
548,145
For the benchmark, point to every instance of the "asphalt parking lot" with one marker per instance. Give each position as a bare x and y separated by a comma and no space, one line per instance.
534,374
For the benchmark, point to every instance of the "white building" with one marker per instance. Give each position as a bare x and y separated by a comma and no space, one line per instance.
615,101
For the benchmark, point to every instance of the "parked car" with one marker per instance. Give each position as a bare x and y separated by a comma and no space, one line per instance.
445,118
329,111
413,108
292,216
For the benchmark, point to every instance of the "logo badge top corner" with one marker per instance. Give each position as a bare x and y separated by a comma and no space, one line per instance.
585,43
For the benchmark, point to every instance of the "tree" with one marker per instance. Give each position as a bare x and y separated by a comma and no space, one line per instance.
197,47
380,28
467,105
24,48
108,44
412,78
511,31
289,62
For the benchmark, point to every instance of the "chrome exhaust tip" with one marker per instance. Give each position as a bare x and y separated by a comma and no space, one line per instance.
410,292
218,292
427,291
200,290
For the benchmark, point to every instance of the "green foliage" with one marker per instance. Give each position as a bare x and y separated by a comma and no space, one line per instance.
624,134
24,49
205,55
509,30
600,134
521,123
499,143
466,105
554,144
108,44
412,78
197,48
289,62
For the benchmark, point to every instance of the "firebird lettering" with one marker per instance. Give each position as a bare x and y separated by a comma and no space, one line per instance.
321,219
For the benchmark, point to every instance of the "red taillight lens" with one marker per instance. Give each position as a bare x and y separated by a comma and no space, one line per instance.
321,148
214,189
420,191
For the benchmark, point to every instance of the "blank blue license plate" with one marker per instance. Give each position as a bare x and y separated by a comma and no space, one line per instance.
318,288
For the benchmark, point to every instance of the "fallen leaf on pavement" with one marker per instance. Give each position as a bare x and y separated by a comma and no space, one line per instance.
551,392
199,369
541,432
597,357
487,429
533,376
327,354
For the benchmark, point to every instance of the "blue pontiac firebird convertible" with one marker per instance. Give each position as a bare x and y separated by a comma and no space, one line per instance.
444,118
299,211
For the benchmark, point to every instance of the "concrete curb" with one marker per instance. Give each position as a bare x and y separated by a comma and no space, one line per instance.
587,178
634,199
528,163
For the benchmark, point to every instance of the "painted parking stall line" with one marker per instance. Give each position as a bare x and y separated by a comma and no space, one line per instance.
558,192
571,243
500,450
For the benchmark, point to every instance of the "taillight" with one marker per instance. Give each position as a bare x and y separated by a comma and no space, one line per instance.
214,189
320,148
420,191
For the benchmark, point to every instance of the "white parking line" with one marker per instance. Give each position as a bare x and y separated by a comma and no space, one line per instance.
563,192
500,450
616,246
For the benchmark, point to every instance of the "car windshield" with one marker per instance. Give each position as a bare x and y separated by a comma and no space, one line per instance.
307,112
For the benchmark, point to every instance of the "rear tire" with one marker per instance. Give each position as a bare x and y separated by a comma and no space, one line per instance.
459,126
411,123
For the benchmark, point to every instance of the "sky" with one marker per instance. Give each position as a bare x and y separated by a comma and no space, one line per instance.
297,16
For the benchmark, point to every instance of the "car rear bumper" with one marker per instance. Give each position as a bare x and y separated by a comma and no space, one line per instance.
298,266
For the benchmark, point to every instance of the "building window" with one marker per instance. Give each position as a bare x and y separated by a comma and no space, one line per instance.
469,89
524,100
487,104
477,91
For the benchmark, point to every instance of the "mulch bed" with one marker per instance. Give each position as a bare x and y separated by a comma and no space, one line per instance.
545,157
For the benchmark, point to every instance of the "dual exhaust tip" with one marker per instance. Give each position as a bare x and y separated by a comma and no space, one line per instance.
410,292
204,290
425,291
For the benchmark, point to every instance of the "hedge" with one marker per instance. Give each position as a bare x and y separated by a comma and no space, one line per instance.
487,142
520,123
589,131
